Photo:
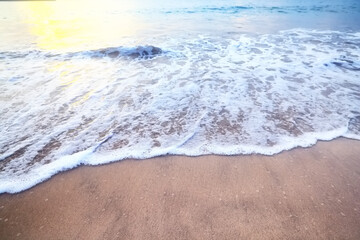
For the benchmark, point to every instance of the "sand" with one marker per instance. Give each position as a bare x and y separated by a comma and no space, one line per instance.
311,193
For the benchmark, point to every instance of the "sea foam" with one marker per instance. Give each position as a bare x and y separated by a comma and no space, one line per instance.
236,94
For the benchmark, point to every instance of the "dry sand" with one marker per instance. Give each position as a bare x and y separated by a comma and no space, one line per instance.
311,193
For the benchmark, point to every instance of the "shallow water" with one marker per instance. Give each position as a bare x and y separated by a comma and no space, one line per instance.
95,84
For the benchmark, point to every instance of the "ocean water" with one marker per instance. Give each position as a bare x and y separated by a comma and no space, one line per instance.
89,82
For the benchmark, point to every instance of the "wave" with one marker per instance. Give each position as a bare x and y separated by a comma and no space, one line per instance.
116,52
264,8
242,94
92,157
139,52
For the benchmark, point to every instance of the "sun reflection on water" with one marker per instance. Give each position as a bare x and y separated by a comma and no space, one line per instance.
80,24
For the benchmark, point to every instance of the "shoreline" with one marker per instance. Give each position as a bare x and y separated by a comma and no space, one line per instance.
305,193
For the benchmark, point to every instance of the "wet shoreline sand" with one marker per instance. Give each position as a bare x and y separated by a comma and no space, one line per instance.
311,193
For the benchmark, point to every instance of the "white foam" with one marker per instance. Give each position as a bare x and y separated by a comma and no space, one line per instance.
88,157
238,94
43,172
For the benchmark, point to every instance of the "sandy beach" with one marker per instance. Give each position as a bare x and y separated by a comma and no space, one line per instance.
143,86
311,193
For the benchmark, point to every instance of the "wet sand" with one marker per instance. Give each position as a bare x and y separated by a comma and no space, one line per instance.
311,193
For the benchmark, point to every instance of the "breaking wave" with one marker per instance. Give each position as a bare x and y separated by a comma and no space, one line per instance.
111,52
